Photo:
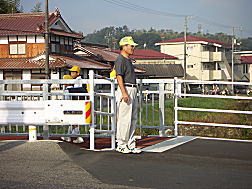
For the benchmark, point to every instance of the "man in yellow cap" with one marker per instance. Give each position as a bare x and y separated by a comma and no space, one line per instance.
126,96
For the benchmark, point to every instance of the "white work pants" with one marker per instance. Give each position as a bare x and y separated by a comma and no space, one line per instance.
126,118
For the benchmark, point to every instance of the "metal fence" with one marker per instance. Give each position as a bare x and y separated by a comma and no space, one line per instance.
153,95
103,118
230,95
158,110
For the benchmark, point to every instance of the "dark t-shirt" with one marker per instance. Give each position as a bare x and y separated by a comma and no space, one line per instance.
125,68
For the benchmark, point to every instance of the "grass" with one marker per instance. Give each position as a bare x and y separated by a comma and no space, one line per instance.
183,115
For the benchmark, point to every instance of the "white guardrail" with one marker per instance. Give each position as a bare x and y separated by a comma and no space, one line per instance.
234,96
153,113
52,114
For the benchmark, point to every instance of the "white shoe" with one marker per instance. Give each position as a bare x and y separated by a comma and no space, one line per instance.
67,139
135,150
78,140
124,150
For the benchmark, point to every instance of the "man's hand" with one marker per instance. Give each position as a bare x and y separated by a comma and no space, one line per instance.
126,98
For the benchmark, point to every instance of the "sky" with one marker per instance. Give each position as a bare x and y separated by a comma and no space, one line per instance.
214,16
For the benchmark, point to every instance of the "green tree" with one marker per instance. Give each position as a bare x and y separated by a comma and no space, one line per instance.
112,35
10,6
37,7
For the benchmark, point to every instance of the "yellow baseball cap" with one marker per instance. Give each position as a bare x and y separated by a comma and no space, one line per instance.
67,77
128,40
75,69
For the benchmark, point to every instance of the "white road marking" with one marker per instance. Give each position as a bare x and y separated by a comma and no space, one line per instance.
169,144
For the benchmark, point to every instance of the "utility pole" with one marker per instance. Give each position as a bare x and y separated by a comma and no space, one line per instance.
232,63
47,73
232,71
185,51
185,33
185,39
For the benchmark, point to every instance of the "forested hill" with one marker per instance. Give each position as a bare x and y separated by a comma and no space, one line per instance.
111,36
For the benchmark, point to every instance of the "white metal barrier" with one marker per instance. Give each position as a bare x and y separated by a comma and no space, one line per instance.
152,105
154,92
110,112
178,95
48,109
63,112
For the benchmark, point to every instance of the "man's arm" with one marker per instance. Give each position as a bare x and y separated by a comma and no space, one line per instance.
125,96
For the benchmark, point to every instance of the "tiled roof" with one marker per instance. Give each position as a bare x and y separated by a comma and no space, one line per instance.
82,62
84,44
100,53
246,59
162,70
193,39
26,63
59,62
59,32
21,23
149,54
27,23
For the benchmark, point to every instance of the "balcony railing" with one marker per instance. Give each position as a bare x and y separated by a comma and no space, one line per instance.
210,75
217,56
208,56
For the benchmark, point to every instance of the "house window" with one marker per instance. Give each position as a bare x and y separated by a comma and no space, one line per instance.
53,47
70,41
57,38
13,75
53,38
66,41
189,66
245,68
208,48
17,48
62,40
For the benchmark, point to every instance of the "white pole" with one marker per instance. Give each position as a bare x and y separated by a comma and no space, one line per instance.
175,108
32,133
113,118
232,72
92,127
161,109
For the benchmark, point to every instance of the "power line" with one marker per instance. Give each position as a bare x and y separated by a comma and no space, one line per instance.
154,11
210,22
142,9
134,7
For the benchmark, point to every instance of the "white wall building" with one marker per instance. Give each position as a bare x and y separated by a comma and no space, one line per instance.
206,59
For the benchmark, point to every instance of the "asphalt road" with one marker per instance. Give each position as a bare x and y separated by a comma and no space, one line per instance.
43,165
197,164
